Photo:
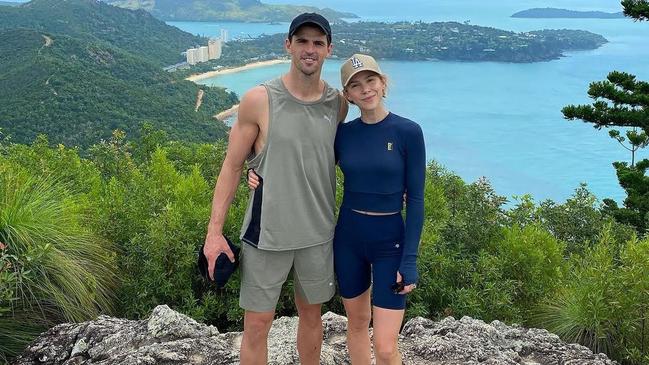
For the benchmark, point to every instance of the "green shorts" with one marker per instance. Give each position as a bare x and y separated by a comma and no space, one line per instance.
264,272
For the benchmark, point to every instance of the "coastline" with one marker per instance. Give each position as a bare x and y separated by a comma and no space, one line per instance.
207,75
224,115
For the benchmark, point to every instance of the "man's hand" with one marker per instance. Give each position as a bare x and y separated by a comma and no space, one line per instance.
214,246
253,179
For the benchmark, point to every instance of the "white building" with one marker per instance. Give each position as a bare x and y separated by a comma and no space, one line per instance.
203,54
212,51
224,35
192,56
214,46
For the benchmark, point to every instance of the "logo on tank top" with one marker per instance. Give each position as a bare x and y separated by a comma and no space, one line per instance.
389,146
356,63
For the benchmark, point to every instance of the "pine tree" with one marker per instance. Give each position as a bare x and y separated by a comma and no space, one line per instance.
636,9
623,101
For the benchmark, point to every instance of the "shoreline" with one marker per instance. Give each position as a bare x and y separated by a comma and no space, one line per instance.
224,115
225,71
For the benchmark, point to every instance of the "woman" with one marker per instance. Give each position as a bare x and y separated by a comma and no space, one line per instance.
382,156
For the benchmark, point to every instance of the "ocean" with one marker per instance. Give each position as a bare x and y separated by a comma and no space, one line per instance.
502,121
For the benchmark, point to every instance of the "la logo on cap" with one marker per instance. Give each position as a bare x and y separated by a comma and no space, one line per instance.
356,63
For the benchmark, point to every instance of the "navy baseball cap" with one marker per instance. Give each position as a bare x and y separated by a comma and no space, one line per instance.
310,18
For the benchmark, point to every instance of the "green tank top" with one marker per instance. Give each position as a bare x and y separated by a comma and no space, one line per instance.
294,205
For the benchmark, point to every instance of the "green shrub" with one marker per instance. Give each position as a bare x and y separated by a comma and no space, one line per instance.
590,308
634,279
577,222
53,268
533,259
578,272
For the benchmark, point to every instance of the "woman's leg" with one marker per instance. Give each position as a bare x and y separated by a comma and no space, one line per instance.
358,323
353,273
386,324
387,306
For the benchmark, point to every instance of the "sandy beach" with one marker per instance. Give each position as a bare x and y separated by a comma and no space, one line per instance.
224,71
224,115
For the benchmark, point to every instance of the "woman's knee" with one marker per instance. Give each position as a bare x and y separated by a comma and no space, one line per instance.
385,350
359,312
358,321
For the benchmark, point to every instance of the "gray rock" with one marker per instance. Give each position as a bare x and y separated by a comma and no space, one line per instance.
168,337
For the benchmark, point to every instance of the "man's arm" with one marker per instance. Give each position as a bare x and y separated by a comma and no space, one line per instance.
344,108
243,135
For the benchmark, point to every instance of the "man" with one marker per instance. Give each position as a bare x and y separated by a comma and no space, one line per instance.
289,124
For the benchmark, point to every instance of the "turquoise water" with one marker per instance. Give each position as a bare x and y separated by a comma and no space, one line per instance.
501,120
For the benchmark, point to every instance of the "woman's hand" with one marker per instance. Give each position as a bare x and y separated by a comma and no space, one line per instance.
253,179
406,289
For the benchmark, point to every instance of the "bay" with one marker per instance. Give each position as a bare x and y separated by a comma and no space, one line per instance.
499,120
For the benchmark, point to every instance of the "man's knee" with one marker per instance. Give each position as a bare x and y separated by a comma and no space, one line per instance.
309,314
257,325
311,317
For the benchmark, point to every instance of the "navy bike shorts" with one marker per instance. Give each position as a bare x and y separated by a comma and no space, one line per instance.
367,252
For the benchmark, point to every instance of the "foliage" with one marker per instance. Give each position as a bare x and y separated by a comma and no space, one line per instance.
471,264
457,41
415,41
135,32
622,101
53,268
78,92
633,274
577,222
149,199
533,259
637,9
156,208
603,305
565,13
626,98
227,10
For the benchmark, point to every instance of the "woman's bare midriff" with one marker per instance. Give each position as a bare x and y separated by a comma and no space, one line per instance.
374,213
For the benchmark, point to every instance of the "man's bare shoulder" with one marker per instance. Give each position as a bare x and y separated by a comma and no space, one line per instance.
255,96
253,102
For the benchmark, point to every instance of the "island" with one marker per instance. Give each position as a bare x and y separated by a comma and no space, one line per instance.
565,13
253,11
419,41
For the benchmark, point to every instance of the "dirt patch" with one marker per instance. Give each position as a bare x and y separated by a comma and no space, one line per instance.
48,41
199,99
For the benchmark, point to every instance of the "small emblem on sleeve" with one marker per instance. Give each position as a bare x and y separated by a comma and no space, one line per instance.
389,146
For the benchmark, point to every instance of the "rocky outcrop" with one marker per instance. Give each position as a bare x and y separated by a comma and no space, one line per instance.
168,337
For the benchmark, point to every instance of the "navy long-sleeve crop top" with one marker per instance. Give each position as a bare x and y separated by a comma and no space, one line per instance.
380,162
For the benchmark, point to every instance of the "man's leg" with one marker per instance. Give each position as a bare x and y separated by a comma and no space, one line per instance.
262,276
254,346
313,275
309,331
359,315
